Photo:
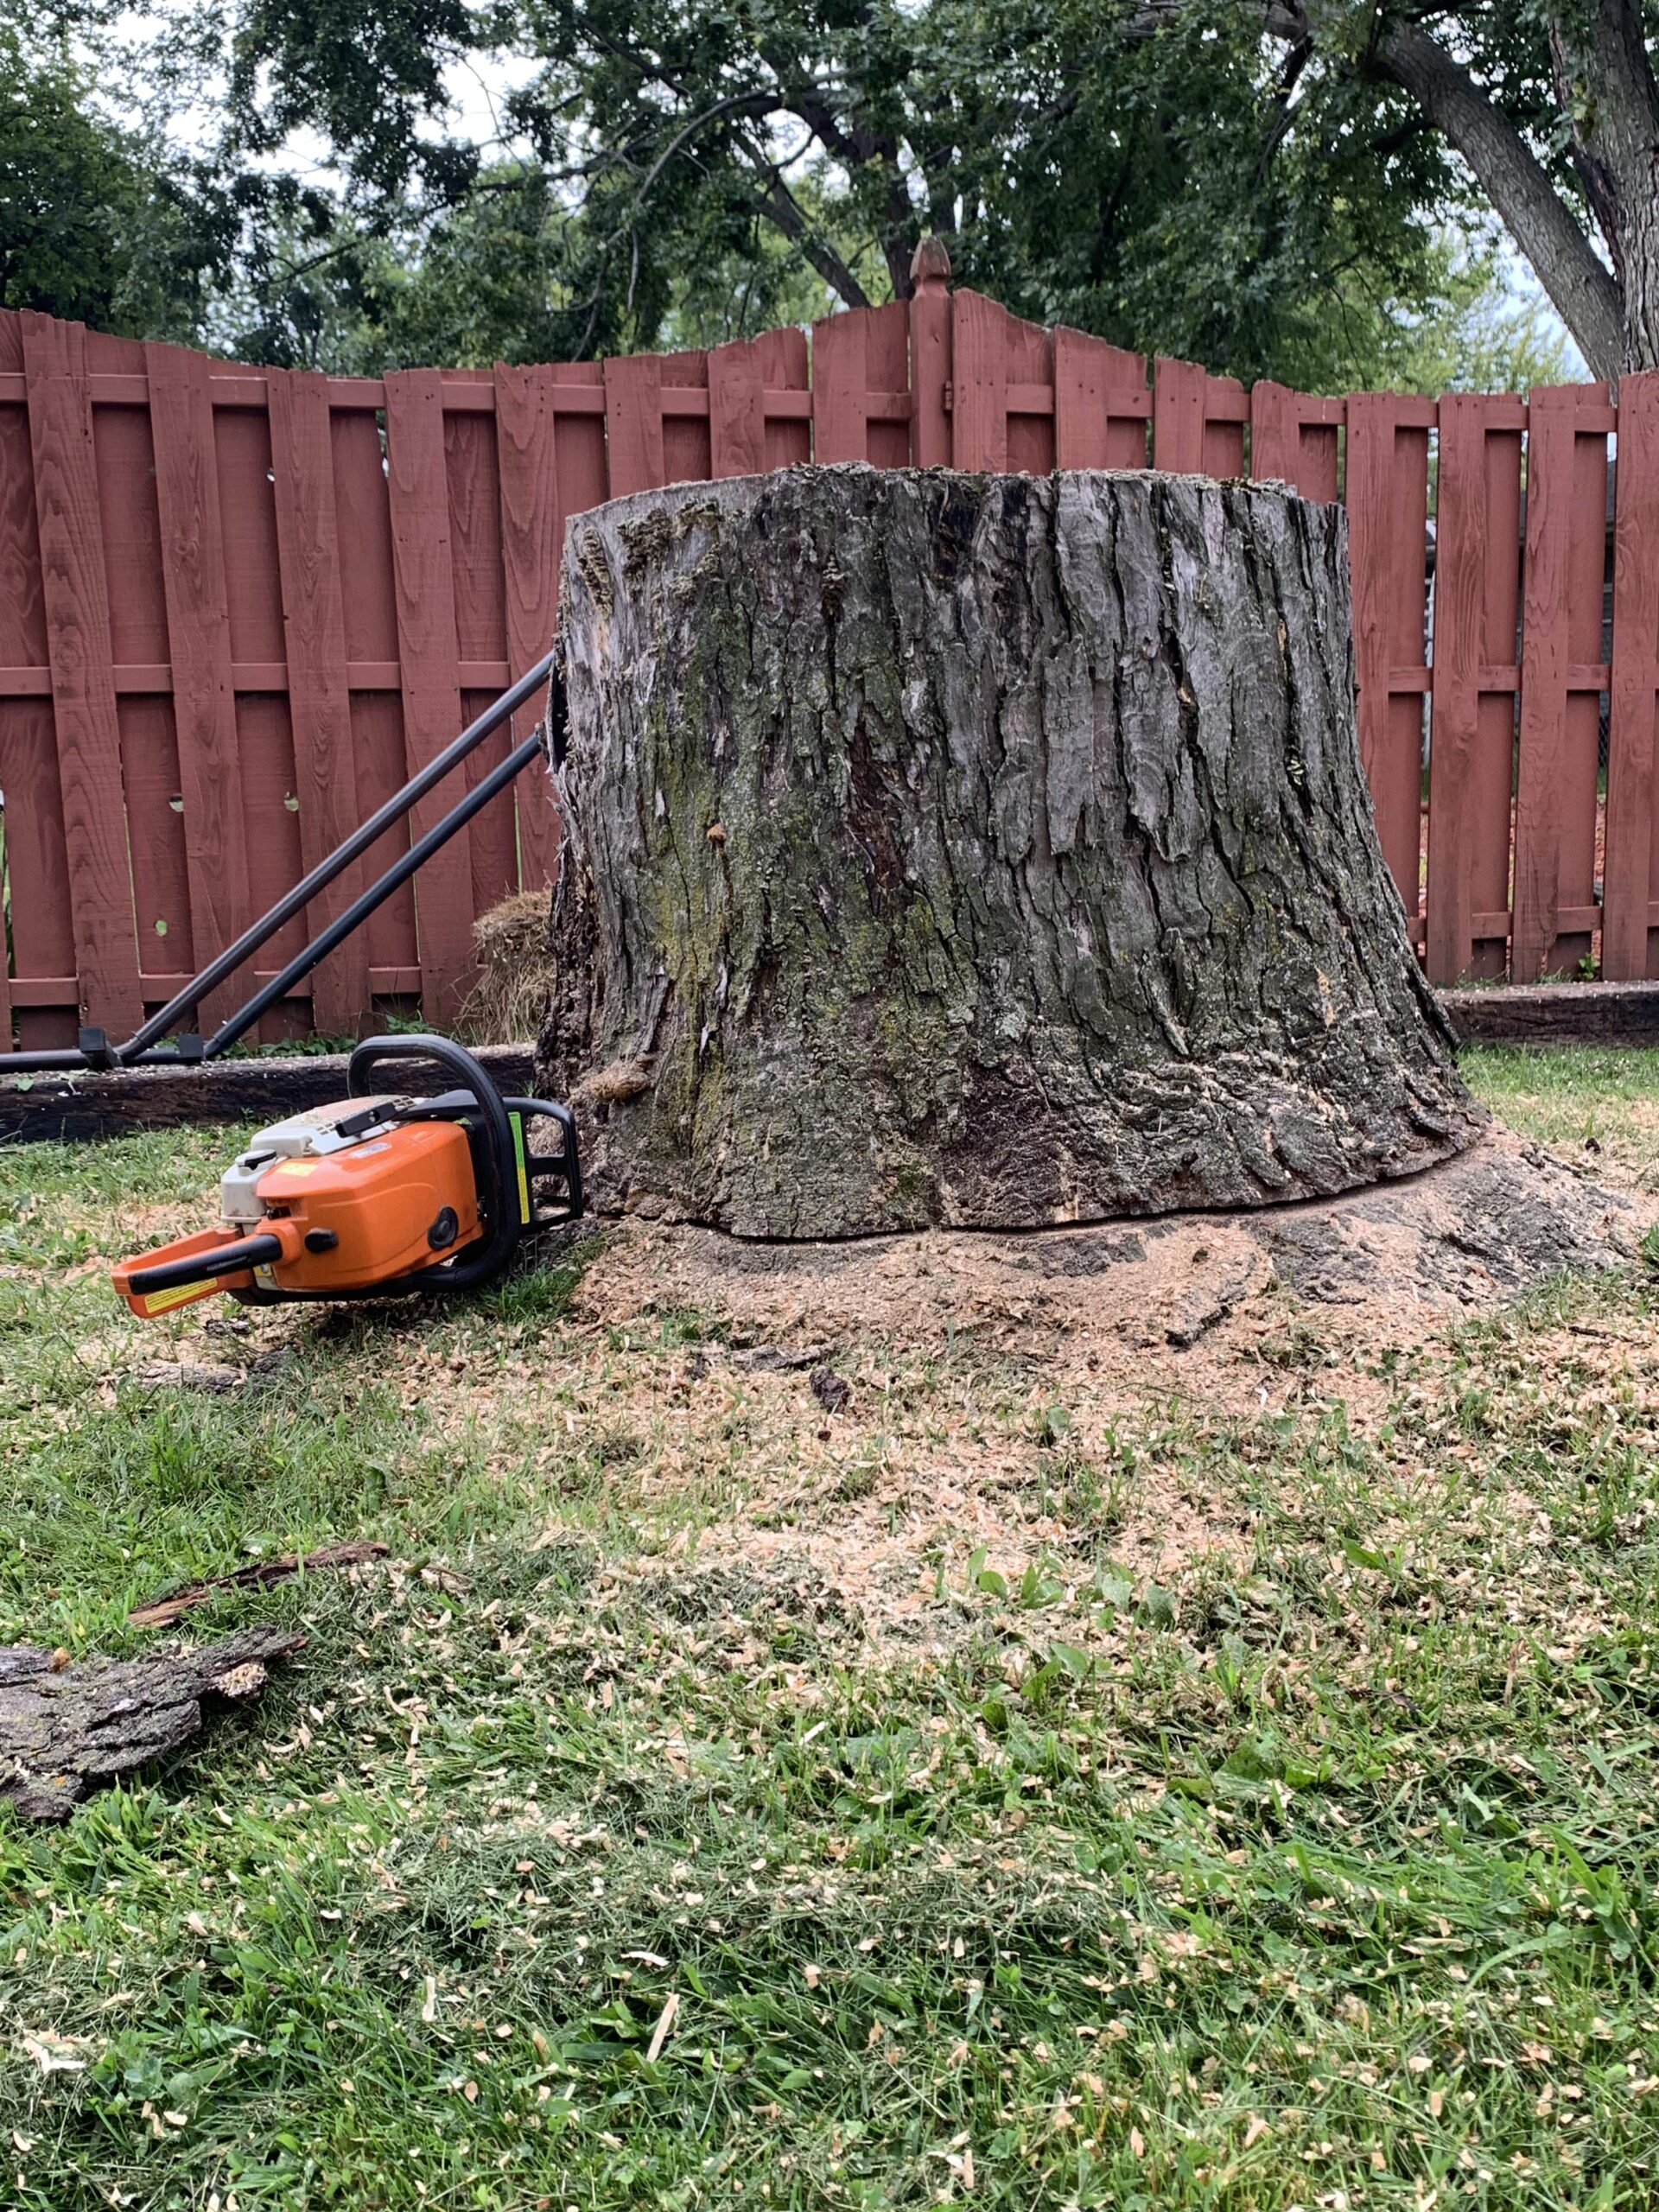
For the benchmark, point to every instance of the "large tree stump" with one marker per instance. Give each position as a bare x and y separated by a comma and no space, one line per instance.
980,850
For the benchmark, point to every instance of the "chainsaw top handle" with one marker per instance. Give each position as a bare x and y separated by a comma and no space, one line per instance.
492,1152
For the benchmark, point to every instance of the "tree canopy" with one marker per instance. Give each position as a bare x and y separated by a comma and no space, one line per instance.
95,223
1263,185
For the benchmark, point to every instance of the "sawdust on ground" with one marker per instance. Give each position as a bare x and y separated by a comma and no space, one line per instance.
985,1376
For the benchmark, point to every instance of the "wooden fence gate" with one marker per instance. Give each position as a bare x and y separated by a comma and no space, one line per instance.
238,607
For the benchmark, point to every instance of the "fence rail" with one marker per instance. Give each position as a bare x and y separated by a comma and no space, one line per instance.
237,607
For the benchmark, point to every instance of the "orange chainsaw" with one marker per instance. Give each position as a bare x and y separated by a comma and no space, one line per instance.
374,1197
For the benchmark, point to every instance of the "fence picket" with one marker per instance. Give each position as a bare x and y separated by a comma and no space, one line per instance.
42,998
1225,413
840,382
1386,500
932,321
633,422
1477,574
527,462
979,383
1630,945
1101,403
430,661
319,686
69,524
1556,774
1293,439
737,421
1177,397
198,652
479,582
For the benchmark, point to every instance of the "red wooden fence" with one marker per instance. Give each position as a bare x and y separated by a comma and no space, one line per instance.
238,607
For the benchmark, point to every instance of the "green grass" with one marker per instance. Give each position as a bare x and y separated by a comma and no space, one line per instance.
1323,1875
1586,1102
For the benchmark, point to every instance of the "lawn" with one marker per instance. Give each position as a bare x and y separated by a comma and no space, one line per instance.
592,1856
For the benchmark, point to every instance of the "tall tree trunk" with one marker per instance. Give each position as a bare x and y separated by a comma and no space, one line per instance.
985,850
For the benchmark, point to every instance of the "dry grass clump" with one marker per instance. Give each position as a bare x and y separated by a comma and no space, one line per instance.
515,973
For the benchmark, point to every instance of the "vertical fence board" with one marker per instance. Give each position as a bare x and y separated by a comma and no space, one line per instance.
469,448
1096,389
526,442
70,531
319,687
418,486
1223,451
363,520
1178,396
855,357
124,449
685,437
1029,361
785,366
737,422
840,388
979,379
1386,500
253,597
1459,609
633,422
1555,788
1580,824
1491,786
887,370
36,873
1630,949
199,639
1286,448
932,322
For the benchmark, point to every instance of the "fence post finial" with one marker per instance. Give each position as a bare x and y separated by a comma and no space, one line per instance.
930,265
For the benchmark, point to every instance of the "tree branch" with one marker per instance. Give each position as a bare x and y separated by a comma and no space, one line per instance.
1514,180
774,200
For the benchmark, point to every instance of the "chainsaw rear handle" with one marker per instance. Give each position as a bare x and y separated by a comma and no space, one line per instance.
202,1266
493,1155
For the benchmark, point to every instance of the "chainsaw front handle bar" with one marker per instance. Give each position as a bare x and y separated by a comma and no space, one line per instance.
203,1267
492,1157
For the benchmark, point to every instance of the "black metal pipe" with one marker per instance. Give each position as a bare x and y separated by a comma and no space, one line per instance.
209,978
377,892
70,1059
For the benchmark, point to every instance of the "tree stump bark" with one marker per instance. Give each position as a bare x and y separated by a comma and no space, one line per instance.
975,850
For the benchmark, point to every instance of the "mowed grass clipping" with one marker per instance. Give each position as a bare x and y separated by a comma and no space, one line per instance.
569,1865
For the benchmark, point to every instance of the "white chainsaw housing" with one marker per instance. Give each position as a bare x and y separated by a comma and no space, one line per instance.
310,1135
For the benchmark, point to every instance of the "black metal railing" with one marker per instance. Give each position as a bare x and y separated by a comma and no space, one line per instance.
144,1048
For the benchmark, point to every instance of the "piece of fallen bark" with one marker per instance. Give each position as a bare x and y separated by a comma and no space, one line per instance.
213,1375
772,1359
1206,1310
190,1375
831,1390
161,1612
67,1730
